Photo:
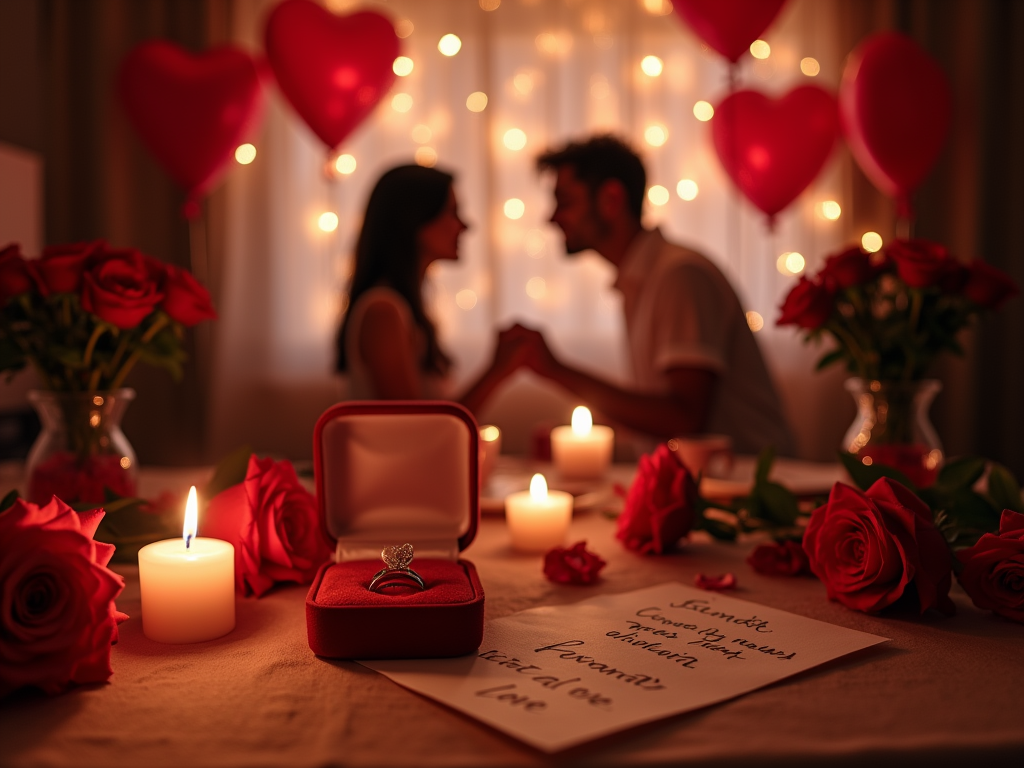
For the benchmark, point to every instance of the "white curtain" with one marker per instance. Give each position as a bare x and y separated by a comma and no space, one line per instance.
555,70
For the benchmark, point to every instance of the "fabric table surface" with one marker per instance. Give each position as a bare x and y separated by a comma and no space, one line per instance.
943,691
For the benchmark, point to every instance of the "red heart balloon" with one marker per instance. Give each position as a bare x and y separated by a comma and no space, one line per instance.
191,111
333,69
894,105
728,26
773,148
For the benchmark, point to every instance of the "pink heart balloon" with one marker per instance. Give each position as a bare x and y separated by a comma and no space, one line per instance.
894,104
333,69
191,110
728,26
774,148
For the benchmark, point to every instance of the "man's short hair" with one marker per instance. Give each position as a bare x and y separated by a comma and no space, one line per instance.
599,159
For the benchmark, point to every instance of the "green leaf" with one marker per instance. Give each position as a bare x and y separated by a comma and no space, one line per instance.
865,475
778,505
832,357
971,511
764,465
962,473
230,471
1003,489
8,500
718,529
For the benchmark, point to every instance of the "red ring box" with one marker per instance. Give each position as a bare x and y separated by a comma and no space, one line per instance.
390,473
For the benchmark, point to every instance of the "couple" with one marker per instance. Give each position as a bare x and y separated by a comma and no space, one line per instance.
696,365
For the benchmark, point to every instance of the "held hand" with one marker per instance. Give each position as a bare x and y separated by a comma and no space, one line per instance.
537,354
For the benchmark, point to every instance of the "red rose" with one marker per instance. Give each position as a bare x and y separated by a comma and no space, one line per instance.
987,286
715,583
781,558
120,288
16,275
808,305
993,572
60,267
574,565
660,506
57,618
185,299
847,269
273,523
922,264
869,549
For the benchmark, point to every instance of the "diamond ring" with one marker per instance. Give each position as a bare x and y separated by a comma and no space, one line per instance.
396,571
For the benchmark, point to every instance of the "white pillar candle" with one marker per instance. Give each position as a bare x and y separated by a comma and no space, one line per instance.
188,585
538,519
582,451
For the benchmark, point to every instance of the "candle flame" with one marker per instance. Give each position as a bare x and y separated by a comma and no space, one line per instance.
538,488
582,421
188,532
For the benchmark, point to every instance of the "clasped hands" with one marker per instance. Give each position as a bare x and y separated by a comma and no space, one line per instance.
520,346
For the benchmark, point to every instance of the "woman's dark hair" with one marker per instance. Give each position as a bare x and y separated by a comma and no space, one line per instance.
405,199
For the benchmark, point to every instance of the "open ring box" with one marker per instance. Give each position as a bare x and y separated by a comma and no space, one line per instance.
388,473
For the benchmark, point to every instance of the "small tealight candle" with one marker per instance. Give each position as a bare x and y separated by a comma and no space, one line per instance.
188,585
582,451
490,449
538,519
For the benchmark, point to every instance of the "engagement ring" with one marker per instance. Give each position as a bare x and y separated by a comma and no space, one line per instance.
396,571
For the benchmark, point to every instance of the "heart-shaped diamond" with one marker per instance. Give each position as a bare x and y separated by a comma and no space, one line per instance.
397,557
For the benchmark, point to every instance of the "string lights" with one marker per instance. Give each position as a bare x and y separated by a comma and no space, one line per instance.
245,154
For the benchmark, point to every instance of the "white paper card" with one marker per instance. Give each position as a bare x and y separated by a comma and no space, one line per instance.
558,676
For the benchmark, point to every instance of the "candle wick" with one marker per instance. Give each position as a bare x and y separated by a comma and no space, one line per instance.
188,541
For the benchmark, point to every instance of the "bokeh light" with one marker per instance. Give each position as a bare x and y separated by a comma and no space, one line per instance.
466,299
328,221
345,164
401,102
402,66
426,156
404,28
759,49
790,263
245,154
449,45
810,66
514,139
658,195
421,134
656,135
536,287
687,189
490,5
652,66
703,111
871,242
476,101
514,208
830,210
754,321
657,7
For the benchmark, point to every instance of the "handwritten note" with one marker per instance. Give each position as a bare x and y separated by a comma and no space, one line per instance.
558,676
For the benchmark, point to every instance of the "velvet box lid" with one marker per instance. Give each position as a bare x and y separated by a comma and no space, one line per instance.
388,473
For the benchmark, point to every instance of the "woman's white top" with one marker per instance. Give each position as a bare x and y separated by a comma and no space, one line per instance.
432,386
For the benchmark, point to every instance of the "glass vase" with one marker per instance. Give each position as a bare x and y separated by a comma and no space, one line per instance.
892,427
81,450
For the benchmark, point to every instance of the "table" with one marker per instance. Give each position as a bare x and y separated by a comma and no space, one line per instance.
943,691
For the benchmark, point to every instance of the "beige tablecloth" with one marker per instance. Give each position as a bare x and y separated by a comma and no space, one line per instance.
945,690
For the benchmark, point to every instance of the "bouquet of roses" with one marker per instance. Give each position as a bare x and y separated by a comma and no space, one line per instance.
891,313
84,314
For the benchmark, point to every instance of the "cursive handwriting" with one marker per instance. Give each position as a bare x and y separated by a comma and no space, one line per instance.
703,607
644,682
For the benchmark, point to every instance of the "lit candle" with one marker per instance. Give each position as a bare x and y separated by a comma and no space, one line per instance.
188,585
584,450
490,449
538,519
